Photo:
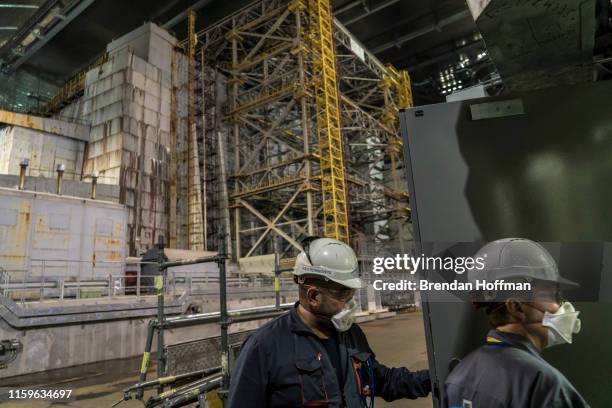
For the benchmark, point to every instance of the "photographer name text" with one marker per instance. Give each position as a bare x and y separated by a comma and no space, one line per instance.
425,285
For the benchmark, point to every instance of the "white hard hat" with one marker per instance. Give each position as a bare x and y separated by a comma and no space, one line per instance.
510,258
329,259
515,259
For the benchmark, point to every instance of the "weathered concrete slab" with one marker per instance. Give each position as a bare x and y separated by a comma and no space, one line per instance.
73,345
81,235
48,125
82,189
44,151
148,42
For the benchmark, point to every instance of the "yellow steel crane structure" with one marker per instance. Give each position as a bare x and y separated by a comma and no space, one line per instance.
333,181
304,119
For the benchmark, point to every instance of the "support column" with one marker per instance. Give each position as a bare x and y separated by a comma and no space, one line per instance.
234,105
300,51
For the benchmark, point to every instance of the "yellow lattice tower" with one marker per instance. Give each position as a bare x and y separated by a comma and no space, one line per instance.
328,121
399,82
404,90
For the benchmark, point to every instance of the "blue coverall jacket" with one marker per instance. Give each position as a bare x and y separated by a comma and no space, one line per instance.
508,372
284,365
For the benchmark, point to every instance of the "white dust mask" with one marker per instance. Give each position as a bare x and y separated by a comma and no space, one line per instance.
561,324
344,319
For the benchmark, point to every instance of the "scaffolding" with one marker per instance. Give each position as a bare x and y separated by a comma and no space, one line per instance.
185,206
298,133
195,234
281,125
187,371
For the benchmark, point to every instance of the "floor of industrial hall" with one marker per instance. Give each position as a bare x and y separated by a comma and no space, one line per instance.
397,341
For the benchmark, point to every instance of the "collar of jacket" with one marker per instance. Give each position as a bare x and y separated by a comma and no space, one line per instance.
515,340
296,323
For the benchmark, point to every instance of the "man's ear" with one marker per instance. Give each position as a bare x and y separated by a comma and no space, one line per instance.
516,311
312,294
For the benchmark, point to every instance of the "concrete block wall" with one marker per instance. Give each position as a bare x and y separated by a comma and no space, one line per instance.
129,141
128,103
44,151
137,107
72,111
149,42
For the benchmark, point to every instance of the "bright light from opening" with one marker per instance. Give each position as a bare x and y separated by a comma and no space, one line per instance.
28,6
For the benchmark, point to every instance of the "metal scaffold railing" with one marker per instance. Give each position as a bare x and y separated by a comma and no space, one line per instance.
175,386
328,121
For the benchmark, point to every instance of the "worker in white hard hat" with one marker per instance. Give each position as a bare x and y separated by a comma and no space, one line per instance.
315,356
507,370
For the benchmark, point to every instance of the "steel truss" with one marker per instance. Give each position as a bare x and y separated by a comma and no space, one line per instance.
297,131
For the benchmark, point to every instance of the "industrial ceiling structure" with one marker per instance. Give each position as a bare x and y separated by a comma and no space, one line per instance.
424,37
43,43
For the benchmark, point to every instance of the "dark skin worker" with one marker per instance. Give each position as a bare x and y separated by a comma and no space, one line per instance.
319,301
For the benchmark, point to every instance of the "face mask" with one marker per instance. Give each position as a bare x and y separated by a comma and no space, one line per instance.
343,320
561,324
